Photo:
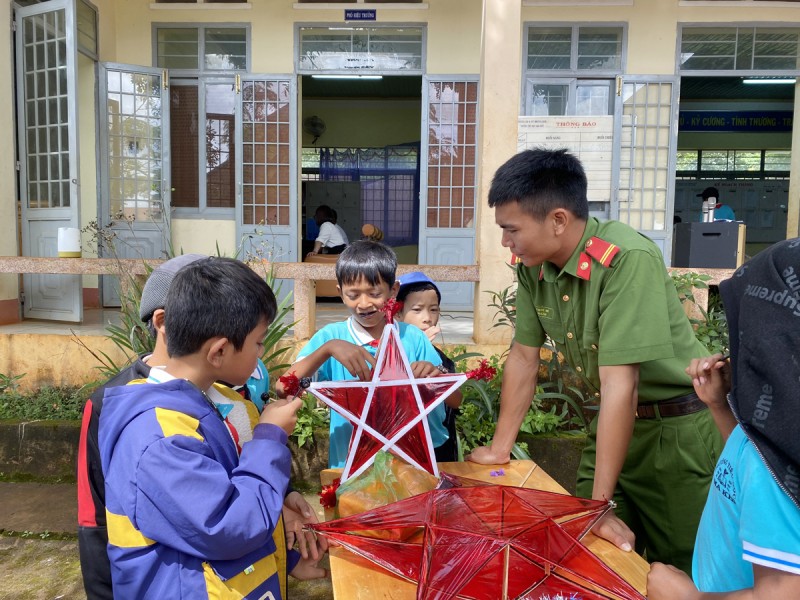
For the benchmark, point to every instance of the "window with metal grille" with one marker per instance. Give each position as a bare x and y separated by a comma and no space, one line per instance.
452,151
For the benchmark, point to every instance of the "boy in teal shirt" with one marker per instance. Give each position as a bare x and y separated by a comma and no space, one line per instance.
365,273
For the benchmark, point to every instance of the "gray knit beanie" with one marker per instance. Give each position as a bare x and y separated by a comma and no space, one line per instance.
154,294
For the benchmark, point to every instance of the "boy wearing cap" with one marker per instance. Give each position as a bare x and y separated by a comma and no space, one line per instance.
421,301
366,276
92,533
748,542
722,212
188,516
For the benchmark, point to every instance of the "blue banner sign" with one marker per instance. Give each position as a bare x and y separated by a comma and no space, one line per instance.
360,15
746,121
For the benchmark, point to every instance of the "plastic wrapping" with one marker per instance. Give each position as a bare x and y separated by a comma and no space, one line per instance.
486,542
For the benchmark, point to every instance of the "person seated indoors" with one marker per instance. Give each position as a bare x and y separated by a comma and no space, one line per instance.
748,542
421,307
332,239
365,273
240,416
188,516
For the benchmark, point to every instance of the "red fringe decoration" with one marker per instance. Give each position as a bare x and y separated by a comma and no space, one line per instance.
484,371
391,308
327,497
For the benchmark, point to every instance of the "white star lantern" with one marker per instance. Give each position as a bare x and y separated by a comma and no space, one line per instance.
390,411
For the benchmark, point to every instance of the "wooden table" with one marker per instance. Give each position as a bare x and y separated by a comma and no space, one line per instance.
355,578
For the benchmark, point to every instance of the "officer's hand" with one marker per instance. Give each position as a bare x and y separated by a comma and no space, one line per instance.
665,582
484,455
613,529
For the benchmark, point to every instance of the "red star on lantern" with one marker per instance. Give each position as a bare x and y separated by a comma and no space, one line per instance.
390,411
474,540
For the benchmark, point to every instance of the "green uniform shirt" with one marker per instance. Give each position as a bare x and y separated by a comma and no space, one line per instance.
625,313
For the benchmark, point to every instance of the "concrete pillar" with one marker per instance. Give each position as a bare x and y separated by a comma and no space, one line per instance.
793,204
501,71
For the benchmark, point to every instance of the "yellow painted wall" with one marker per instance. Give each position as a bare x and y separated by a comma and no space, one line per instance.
365,123
203,236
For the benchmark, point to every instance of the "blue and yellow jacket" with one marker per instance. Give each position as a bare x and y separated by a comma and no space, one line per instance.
187,517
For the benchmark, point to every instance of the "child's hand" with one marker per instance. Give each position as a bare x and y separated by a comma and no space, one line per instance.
422,368
307,569
296,513
711,377
355,359
432,332
665,582
282,413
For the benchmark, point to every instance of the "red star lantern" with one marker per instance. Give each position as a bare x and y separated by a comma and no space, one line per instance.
390,411
483,541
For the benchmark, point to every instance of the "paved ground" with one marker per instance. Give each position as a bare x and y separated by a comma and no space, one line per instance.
35,566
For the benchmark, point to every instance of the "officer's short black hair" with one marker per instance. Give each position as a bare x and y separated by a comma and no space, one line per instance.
215,297
369,260
542,180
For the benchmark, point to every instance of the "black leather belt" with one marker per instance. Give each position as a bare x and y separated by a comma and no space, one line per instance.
674,407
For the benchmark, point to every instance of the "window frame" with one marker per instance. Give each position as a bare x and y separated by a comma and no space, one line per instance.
201,78
754,26
570,76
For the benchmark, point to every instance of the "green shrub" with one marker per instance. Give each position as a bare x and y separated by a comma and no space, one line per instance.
48,403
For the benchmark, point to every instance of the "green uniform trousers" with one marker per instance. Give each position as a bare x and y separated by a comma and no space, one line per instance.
664,482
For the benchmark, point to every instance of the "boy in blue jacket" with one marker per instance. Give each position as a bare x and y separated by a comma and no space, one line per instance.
365,273
187,516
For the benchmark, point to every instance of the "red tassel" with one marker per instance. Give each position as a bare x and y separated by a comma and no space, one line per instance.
391,308
327,497
484,371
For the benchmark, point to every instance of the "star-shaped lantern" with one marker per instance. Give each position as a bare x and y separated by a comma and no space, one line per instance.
480,541
390,411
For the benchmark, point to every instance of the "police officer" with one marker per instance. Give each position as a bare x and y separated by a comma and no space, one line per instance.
601,292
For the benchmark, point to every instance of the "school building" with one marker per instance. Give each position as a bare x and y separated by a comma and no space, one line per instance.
215,125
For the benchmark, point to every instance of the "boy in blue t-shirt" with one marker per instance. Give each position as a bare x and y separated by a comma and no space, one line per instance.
365,273
748,542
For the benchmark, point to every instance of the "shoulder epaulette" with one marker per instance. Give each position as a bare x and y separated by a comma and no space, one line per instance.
598,249
601,250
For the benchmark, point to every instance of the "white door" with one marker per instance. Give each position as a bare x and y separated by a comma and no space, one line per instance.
647,132
448,178
46,62
134,146
266,174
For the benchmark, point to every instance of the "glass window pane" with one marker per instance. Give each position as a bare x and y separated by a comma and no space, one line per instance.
747,160
220,144
775,48
600,48
593,99
777,160
686,160
714,160
87,28
705,48
178,48
548,100
226,49
361,48
549,48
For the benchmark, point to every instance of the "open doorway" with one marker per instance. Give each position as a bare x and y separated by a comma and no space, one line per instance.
734,134
361,156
